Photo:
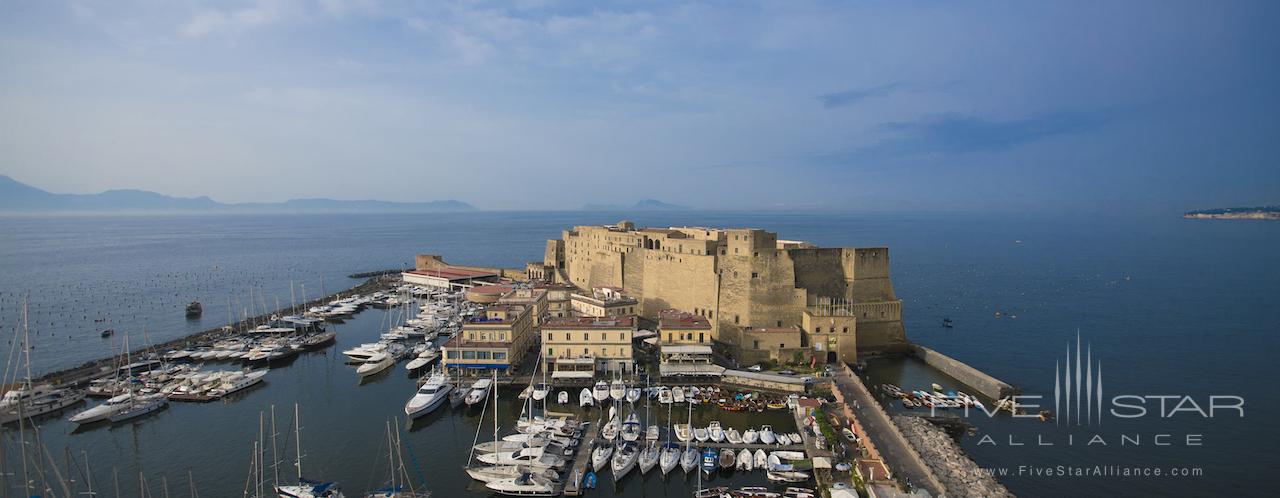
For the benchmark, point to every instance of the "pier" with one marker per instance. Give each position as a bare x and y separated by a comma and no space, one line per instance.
581,459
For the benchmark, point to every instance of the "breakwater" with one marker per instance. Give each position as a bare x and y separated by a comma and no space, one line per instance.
376,273
961,477
985,384
96,368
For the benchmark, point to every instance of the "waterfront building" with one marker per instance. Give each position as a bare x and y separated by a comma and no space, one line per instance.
498,340
737,278
559,299
681,327
488,294
448,278
688,360
603,301
771,343
532,298
605,341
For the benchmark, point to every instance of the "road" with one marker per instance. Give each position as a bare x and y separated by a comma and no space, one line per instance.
893,449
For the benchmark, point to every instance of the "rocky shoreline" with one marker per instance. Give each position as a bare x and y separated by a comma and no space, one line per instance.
948,462
93,369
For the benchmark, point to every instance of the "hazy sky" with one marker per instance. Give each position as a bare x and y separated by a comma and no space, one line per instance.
544,104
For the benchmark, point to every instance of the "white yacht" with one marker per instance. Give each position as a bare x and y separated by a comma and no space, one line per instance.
430,396
479,391
525,485
761,459
617,390
534,458
745,460
600,456
424,358
631,430
36,401
701,434
677,395
633,395
624,459
237,381
689,460
664,395
103,411
140,405
715,432
376,363
563,397
682,432
669,459
732,436
362,352
491,473
601,392
648,458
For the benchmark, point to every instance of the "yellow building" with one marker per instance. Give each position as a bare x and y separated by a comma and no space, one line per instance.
604,301
533,299
680,327
498,340
607,341
559,299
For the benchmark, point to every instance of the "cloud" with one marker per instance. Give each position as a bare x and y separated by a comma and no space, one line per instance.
851,97
956,134
258,13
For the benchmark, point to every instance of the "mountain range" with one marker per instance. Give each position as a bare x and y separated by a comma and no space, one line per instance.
16,196
642,205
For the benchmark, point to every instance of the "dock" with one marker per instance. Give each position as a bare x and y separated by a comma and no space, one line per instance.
581,459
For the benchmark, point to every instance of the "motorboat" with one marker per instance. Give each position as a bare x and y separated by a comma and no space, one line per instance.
624,459
362,352
540,392
103,411
701,434
745,460
457,397
664,395
669,459
689,459
789,455
795,438
429,396
648,458
750,437
716,492
479,391
633,395
767,436
784,440
36,401
677,395
562,397
601,392
617,390
715,432
600,456
733,437
585,399
709,460
534,458
237,381
525,393
310,489
727,458
424,358
788,476
793,492
761,459
682,432
755,492
375,363
525,485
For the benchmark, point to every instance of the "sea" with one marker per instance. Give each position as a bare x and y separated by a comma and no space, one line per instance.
1173,316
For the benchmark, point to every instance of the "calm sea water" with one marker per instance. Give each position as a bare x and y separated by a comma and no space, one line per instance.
1168,306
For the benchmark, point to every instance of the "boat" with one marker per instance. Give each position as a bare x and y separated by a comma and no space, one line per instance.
424,358
767,436
708,461
784,439
617,390
491,473
652,433
525,393
669,458
585,399
789,455
600,456
237,381
733,437
701,434
362,352
745,460
563,397
33,402
761,459
717,492
795,438
601,391
534,458
715,432
609,431
479,391
305,488
624,459
793,492
727,458
682,432
589,480
750,437
664,395
430,395
631,430
788,476
108,332
540,392
689,460
374,364
649,457
677,395
194,309
633,395
140,405
457,397
946,322
525,485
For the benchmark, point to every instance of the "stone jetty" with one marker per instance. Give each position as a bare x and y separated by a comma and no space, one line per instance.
959,474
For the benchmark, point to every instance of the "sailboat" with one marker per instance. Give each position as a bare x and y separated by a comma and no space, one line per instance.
631,430
670,452
617,390
650,453
624,459
138,405
398,485
305,488
689,460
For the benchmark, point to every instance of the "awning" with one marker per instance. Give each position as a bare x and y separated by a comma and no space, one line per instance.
570,374
641,334
690,370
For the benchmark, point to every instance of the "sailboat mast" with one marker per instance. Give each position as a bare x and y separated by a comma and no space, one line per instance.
275,459
297,441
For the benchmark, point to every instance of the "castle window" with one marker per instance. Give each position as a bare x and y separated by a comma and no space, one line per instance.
735,319
754,274
779,323
846,330
699,336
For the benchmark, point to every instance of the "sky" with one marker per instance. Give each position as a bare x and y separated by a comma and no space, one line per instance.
1073,106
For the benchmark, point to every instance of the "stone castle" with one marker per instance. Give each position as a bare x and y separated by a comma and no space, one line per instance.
747,283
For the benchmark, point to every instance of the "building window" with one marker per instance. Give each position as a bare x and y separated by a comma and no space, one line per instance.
499,355
779,323
670,337
846,330
755,344
735,319
551,353
754,274
551,336
468,355
483,355
699,337
452,355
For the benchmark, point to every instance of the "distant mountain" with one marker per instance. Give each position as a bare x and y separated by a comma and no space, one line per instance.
642,205
1236,213
16,196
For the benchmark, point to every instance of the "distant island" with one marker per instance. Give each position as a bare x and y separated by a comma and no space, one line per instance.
19,197
1236,213
643,205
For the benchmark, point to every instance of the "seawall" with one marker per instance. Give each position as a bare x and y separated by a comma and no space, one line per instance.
985,384
961,477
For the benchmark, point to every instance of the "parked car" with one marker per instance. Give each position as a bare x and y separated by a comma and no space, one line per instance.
754,368
807,379
848,434
787,372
